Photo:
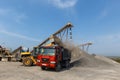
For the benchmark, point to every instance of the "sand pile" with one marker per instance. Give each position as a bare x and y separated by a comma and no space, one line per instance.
108,60
82,58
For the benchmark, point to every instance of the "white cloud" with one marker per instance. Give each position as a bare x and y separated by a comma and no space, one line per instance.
63,3
18,35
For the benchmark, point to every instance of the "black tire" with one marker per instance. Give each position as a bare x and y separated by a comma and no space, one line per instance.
58,67
9,58
43,68
0,58
67,64
27,62
21,60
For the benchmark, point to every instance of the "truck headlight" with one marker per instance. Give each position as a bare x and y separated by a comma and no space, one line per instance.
53,62
38,60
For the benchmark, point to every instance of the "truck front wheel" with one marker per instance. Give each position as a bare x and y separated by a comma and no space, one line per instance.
43,68
58,67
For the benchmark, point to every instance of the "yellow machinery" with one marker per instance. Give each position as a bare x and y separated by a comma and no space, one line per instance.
17,55
20,53
30,59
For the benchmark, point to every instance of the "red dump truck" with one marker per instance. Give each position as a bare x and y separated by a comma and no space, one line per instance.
52,53
54,57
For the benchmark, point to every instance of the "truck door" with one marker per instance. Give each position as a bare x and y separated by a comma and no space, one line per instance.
58,54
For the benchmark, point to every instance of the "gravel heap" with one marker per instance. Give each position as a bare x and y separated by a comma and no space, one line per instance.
82,58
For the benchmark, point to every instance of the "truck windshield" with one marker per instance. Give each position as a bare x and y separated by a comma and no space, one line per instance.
47,51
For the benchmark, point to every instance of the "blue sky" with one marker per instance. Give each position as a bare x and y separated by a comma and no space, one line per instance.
28,22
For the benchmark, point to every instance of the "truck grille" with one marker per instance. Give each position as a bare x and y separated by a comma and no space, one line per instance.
45,60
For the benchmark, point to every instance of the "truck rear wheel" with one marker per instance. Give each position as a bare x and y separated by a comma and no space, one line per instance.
58,67
27,62
67,64
0,58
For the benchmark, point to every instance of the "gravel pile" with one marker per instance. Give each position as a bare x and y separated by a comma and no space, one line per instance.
82,58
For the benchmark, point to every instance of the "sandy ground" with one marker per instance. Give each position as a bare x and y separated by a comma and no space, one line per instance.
88,67
15,71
